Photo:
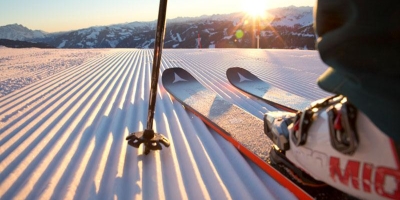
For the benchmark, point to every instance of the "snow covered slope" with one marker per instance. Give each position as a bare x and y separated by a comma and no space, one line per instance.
287,27
63,137
291,16
21,67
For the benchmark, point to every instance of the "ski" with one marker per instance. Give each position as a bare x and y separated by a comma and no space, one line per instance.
240,128
254,86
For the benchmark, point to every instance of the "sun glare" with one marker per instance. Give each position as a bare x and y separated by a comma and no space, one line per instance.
255,8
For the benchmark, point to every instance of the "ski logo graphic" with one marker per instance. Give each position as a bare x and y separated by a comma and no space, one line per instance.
178,78
361,176
242,78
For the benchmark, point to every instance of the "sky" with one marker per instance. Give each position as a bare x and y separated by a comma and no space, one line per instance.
64,15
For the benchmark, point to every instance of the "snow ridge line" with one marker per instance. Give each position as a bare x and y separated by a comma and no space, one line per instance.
19,100
70,143
108,127
308,68
216,80
53,97
131,171
31,148
88,131
186,150
222,160
22,92
303,90
251,106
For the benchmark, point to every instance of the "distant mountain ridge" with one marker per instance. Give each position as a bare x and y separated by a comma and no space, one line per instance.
291,16
19,32
289,27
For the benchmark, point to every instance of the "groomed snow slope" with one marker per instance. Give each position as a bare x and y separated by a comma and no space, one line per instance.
63,137
23,66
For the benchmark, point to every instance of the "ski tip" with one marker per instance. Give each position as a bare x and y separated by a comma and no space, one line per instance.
176,75
237,75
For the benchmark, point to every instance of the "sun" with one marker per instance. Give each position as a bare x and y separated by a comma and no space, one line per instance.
255,8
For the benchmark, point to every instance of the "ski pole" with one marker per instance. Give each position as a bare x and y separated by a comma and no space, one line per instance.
148,137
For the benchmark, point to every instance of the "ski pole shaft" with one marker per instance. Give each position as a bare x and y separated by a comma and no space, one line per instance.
150,139
158,46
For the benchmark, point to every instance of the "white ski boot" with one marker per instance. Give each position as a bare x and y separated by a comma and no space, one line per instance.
334,143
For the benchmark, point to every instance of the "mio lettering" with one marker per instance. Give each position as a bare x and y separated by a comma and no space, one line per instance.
372,177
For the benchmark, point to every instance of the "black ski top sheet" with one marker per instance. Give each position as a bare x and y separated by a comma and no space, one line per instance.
227,118
251,84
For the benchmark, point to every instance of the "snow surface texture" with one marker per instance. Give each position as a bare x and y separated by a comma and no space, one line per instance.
21,67
63,137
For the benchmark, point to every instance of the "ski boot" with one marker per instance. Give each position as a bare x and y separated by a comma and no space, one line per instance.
332,143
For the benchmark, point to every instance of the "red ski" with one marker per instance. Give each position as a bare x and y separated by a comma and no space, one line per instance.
242,129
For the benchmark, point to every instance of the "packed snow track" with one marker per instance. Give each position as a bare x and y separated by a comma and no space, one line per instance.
63,137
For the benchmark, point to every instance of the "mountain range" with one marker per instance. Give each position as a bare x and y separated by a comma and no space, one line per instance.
289,27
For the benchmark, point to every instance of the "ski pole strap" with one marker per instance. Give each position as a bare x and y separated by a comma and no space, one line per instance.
341,118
